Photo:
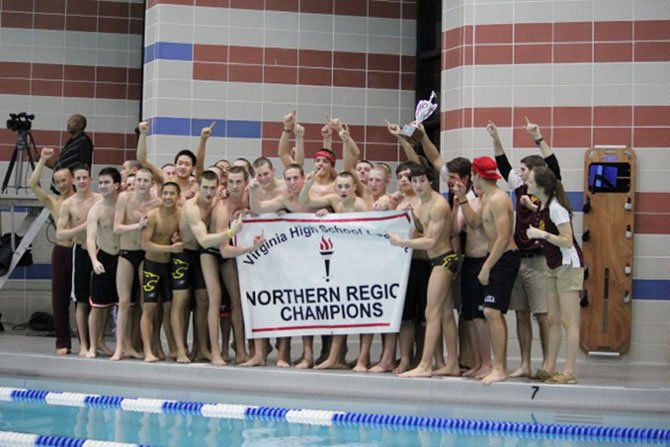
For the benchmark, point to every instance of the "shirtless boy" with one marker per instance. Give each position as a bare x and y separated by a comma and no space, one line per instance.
498,272
129,220
227,219
61,256
102,245
434,216
344,201
193,226
159,239
72,227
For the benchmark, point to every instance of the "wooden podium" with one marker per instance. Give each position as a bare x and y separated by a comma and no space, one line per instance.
608,235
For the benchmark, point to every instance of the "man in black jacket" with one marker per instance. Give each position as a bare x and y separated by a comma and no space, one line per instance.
78,149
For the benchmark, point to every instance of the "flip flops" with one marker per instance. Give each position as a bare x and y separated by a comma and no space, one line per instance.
541,376
561,379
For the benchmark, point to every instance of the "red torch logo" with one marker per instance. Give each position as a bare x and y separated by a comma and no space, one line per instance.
326,250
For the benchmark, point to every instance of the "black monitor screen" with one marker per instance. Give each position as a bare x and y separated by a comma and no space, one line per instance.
609,177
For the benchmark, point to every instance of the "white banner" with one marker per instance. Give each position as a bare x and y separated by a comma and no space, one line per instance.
337,274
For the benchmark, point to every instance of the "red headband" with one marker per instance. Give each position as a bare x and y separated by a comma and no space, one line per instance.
327,155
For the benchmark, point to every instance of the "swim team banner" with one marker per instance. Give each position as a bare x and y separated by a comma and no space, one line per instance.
337,274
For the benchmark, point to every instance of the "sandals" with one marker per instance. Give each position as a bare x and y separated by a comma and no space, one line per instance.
562,379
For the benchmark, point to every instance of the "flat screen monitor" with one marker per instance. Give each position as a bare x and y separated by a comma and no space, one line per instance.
609,177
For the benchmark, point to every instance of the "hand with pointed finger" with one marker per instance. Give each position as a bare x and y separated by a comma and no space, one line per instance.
393,128
326,132
206,132
289,121
492,130
258,240
236,225
344,132
336,124
253,185
533,129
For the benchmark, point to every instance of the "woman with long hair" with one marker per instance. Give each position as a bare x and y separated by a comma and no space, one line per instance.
553,227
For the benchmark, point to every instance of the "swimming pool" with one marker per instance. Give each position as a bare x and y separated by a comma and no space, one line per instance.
149,421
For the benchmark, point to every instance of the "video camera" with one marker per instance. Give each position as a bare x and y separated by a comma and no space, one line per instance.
20,121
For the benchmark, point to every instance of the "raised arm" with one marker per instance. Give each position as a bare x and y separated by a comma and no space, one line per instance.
299,132
351,152
205,133
142,152
284,150
327,137
534,131
548,155
430,150
34,181
471,214
410,153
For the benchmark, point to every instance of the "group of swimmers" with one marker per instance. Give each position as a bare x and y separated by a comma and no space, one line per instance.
160,246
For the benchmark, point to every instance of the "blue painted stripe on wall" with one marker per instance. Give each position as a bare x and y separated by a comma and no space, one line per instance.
165,125
643,289
169,51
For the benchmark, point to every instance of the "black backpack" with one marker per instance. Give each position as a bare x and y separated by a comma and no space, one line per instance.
6,253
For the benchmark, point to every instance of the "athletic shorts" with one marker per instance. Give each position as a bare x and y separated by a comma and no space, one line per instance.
186,271
103,286
498,292
472,291
81,274
214,251
417,289
135,257
565,279
529,291
448,260
156,283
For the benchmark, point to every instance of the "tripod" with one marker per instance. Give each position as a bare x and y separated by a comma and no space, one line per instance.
24,143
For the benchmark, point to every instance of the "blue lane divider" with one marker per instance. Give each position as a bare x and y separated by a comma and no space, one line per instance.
30,439
337,418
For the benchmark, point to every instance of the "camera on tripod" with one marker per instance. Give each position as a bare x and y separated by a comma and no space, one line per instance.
24,148
21,122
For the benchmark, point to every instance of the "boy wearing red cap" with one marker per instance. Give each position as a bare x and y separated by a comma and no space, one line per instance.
496,216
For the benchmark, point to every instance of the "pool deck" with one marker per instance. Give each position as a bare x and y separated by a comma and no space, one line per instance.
604,384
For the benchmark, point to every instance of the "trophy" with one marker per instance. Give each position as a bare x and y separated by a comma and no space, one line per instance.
424,109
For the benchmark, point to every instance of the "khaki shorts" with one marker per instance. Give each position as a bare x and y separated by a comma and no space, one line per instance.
530,292
565,279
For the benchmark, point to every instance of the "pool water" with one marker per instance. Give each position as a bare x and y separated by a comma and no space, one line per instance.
104,423
188,430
